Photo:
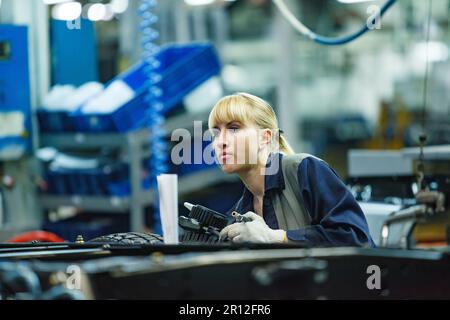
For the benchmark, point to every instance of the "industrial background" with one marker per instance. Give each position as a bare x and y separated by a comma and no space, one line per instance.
79,154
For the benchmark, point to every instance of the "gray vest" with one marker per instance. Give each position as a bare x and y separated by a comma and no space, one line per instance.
289,207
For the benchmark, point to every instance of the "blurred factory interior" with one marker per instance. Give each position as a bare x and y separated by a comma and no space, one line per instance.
79,153
368,94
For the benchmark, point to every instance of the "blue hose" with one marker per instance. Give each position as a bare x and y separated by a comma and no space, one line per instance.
155,112
328,40
339,41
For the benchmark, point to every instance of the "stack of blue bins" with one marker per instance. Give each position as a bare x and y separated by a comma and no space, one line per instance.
55,121
85,182
182,69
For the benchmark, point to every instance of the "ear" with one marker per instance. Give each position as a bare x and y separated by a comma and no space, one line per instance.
265,137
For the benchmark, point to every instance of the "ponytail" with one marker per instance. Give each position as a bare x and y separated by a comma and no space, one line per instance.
285,147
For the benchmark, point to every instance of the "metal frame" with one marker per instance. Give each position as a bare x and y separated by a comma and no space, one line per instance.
33,14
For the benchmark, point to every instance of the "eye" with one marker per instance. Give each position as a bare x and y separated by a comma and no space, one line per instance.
234,128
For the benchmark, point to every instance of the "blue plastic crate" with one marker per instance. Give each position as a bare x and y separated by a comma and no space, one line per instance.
57,181
87,182
66,182
182,68
55,121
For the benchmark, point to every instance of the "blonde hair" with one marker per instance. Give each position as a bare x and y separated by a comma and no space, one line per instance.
247,108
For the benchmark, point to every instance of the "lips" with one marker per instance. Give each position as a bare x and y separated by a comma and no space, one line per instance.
225,156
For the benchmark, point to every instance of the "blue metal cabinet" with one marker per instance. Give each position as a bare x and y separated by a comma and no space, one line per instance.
15,104
74,53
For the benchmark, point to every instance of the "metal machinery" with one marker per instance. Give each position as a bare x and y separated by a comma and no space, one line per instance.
16,134
396,197
138,266
218,271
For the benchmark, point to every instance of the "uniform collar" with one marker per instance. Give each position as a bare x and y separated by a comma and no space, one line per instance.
273,179
274,173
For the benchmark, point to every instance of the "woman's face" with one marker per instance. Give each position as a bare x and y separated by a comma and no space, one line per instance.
236,146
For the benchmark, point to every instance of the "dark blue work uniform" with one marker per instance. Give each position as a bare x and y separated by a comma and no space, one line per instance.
336,217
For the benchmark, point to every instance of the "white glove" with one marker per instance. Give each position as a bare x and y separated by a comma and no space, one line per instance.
255,231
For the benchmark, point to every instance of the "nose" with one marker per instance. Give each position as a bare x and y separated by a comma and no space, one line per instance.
221,142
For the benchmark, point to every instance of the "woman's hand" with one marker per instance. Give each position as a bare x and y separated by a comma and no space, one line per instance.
255,231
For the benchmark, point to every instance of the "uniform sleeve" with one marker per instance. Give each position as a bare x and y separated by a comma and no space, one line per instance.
336,217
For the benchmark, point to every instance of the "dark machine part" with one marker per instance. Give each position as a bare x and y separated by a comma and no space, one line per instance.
130,238
203,225
429,203
240,218
338,273
194,232
421,164
19,281
221,271
206,216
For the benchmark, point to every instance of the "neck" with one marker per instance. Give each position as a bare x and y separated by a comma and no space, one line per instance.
254,177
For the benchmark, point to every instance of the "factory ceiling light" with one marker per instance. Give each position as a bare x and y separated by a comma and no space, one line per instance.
68,11
51,2
119,6
198,2
109,13
97,12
